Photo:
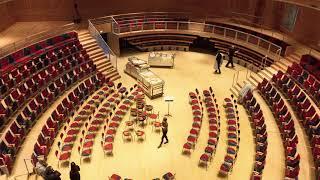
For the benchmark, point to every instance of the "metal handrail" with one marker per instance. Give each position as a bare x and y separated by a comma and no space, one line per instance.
99,38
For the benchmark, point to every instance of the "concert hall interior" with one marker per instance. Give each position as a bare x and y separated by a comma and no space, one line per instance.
159,90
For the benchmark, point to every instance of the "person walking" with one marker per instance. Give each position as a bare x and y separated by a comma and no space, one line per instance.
232,51
74,172
164,125
218,62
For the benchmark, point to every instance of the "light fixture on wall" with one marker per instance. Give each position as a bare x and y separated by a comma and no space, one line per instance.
101,31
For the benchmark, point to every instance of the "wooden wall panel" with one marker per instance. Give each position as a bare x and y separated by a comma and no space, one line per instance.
6,19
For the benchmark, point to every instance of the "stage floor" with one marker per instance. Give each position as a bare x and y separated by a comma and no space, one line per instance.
144,160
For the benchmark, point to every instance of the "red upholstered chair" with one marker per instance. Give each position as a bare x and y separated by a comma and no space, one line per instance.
62,157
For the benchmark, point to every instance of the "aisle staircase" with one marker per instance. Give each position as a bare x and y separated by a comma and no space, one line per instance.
267,72
97,55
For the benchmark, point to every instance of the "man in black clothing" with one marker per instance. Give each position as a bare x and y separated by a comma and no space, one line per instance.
232,51
218,62
164,125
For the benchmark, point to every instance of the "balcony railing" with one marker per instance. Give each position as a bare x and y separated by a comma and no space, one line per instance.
211,30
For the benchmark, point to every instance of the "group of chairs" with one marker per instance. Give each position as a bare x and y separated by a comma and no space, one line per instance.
120,111
42,96
306,80
260,132
233,134
304,109
91,122
45,72
197,114
311,64
286,127
58,118
214,127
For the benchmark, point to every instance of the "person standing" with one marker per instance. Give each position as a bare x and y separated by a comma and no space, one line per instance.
74,172
232,51
218,62
164,125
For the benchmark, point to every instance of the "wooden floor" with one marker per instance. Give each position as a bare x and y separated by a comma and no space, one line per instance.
144,160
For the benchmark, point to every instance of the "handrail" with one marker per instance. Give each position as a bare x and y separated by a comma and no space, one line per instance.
37,37
104,46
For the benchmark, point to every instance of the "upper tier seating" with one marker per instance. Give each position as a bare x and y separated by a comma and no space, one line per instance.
306,81
311,64
303,108
145,42
276,41
22,56
50,73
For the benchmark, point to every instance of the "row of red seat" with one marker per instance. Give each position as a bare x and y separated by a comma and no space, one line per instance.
121,109
233,135
59,116
73,128
286,127
260,133
304,109
214,127
197,112
307,81
23,55
311,64
45,82
68,55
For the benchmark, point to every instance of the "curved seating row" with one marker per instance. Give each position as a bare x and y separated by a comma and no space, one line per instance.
57,119
303,108
214,127
110,131
306,81
45,96
51,76
311,64
26,54
197,113
84,123
285,125
233,136
260,133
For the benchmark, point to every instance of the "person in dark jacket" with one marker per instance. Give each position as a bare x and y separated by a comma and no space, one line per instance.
164,125
218,62
232,51
74,172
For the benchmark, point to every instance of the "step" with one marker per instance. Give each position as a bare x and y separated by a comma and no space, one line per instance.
271,71
84,36
264,75
102,62
87,44
256,78
284,62
233,91
84,39
94,54
279,66
253,82
98,59
92,47
106,68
